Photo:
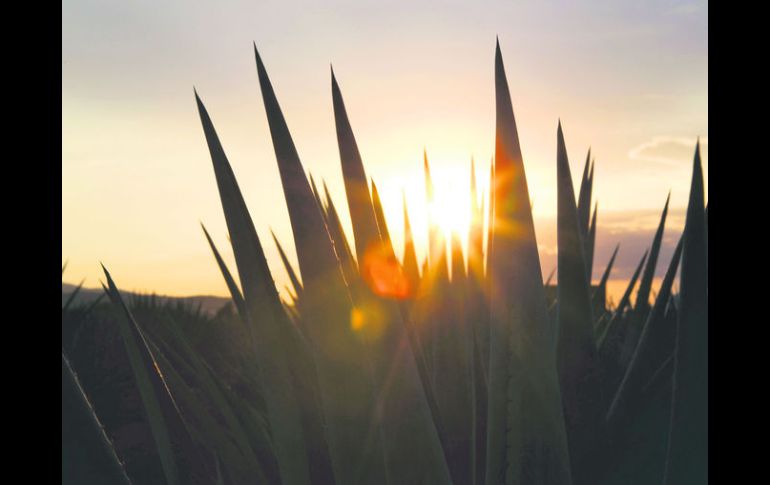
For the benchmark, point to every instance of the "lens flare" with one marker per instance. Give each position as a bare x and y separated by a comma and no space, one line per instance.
384,274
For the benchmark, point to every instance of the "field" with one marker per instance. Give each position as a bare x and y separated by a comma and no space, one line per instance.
401,372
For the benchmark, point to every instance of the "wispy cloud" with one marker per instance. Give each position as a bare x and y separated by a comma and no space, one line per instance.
668,150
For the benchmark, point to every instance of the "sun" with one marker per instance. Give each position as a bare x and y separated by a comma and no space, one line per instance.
440,203
450,212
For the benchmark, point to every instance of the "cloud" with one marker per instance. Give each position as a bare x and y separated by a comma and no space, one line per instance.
633,230
668,150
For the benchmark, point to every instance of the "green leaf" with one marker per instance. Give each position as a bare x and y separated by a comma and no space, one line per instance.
589,245
235,292
382,225
648,355
265,314
362,215
523,385
345,378
584,198
616,325
577,359
88,455
645,284
162,412
601,291
687,457
411,269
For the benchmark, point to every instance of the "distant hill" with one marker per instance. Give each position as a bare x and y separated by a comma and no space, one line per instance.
209,304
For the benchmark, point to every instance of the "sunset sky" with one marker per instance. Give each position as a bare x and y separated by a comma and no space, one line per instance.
629,79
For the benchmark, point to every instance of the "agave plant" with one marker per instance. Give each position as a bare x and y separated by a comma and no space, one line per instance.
385,371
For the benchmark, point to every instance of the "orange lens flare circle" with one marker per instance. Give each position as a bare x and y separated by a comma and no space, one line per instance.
383,273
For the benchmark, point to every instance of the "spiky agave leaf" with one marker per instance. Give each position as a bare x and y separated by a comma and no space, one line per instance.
265,316
645,284
341,245
649,355
166,424
295,283
577,360
315,252
434,236
451,381
687,458
347,371
550,277
600,293
615,326
476,232
589,245
362,215
417,445
526,440
205,427
235,292
410,255
405,406
213,390
382,225
88,455
476,302
584,198
72,296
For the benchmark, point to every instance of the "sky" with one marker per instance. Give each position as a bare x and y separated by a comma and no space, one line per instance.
628,79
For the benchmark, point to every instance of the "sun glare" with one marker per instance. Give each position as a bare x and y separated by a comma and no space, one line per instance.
449,209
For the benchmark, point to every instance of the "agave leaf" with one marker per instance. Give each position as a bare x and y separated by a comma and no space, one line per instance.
614,326
162,412
642,308
584,198
577,360
87,453
295,283
643,295
362,215
706,217
476,232
207,429
79,324
381,223
434,236
589,245
235,292
264,314
208,382
344,371
687,457
550,277
72,296
601,291
523,384
410,255
341,245
647,354
478,314
491,217
315,252
64,266
480,402
451,378
662,376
